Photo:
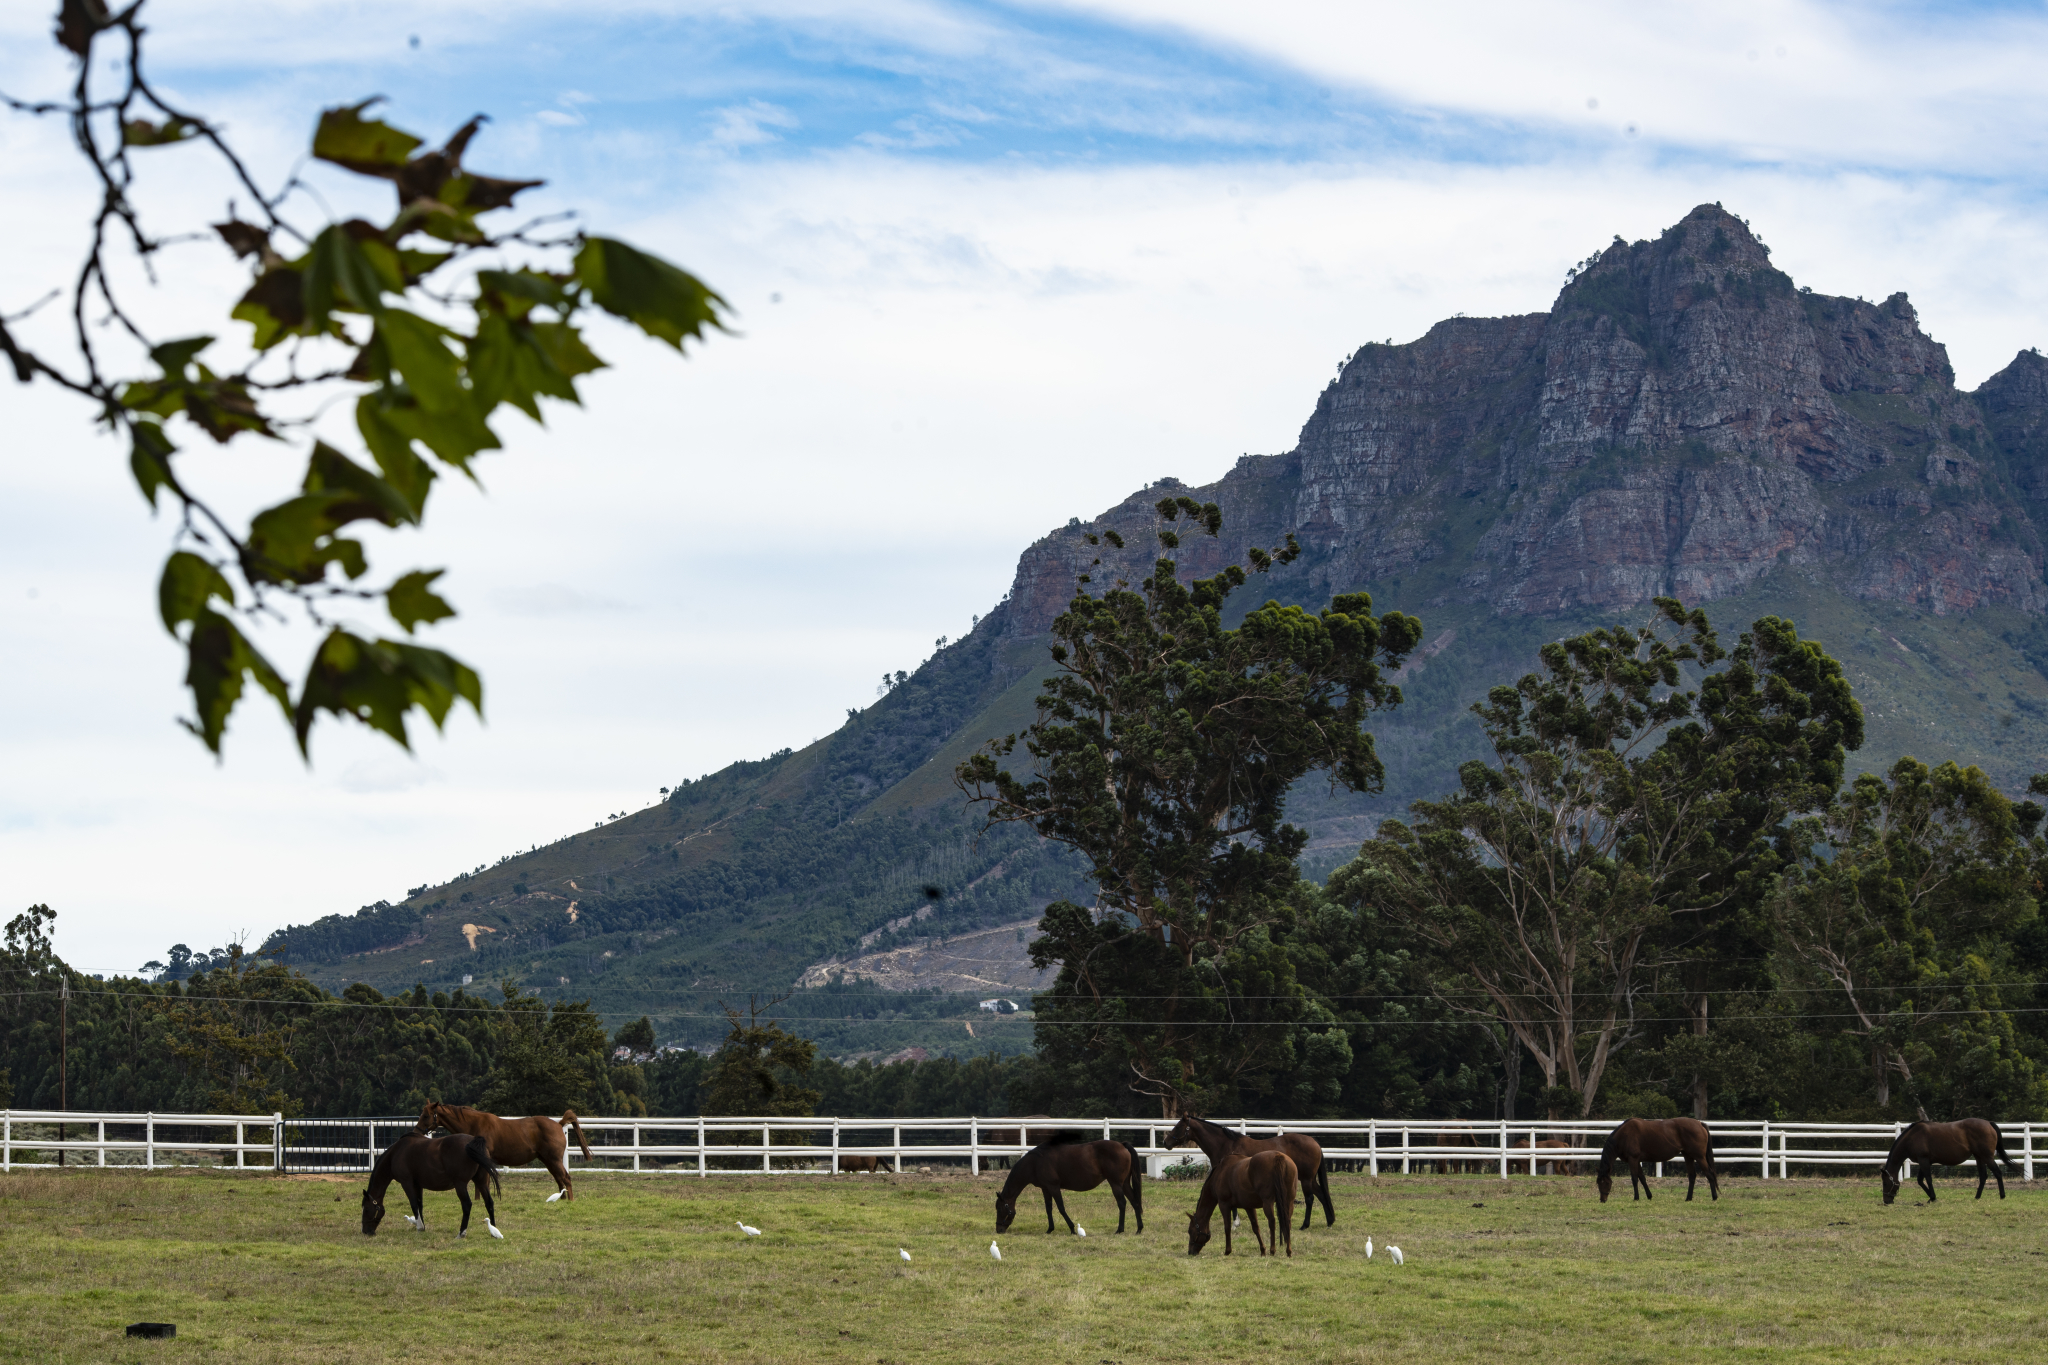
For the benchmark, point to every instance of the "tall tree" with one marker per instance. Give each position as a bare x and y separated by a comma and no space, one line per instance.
1903,908
759,1067
1617,811
1163,751
430,320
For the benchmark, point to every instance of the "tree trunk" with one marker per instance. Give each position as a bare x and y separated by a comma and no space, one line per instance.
1699,1078
1511,1080
1884,1079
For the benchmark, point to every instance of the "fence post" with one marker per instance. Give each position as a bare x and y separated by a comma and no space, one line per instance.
240,1138
1404,1149
765,1144
2027,1145
149,1141
277,1143
835,1146
636,1144
102,1139
1763,1146
896,1136
7,1140
973,1145
1372,1144
1503,1149
700,1146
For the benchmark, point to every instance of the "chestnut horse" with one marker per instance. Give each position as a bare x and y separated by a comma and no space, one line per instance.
1074,1164
1218,1142
1639,1140
513,1142
1547,1167
1257,1184
422,1163
1947,1144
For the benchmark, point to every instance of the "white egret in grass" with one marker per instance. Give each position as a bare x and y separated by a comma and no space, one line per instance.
904,1254
1080,1231
1394,1252
494,1229
553,1197
751,1232
1368,1248
995,1251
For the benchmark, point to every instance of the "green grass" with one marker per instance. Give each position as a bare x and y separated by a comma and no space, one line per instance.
255,1268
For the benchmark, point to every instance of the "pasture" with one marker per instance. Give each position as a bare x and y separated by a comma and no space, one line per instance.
652,1268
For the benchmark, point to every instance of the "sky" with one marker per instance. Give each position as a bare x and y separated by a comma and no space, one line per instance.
991,266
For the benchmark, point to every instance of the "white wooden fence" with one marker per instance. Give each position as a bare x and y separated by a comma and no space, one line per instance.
738,1146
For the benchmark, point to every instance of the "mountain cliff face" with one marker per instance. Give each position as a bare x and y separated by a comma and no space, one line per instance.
1682,422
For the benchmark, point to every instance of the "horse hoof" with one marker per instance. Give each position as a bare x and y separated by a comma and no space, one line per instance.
462,1233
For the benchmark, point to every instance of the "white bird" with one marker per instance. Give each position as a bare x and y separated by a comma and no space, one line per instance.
995,1251
904,1254
1080,1231
553,1197
494,1229
1394,1252
1368,1248
751,1232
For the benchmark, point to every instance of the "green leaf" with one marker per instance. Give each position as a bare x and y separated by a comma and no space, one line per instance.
330,471
411,600
294,541
150,459
140,132
454,436
275,306
419,353
339,275
515,362
218,660
174,356
404,470
367,146
188,584
515,292
379,681
663,301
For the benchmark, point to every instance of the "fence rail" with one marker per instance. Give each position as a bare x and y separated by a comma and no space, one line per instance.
729,1146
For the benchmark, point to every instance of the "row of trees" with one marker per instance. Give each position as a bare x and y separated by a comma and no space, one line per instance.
1653,886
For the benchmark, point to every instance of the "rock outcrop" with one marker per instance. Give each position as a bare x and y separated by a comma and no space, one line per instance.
1683,420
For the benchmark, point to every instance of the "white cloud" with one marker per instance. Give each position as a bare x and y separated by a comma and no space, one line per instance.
747,125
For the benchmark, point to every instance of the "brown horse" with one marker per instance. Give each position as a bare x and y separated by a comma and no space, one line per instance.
1947,1144
1456,1137
1257,1184
1639,1140
513,1142
1218,1142
850,1164
422,1163
1548,1167
1074,1164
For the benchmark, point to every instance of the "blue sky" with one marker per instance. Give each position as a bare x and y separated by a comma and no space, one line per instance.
994,266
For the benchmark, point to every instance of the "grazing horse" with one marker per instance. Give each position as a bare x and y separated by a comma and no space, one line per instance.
1456,1137
1218,1142
1548,1167
1257,1184
513,1142
423,1163
1947,1144
1074,1164
1639,1140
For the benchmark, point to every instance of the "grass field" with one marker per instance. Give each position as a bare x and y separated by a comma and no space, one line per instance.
257,1268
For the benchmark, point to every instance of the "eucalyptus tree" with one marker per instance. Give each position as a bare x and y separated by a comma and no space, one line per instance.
1163,750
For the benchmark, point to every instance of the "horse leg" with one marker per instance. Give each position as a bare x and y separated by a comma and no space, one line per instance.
1264,1207
1118,1190
462,1193
1983,1174
1997,1175
483,1188
1692,1177
1926,1179
560,1171
1048,1210
1322,1190
1638,1177
1060,1198
1229,1222
415,1195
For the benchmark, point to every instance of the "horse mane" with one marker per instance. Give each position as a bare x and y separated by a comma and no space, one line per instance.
1611,1151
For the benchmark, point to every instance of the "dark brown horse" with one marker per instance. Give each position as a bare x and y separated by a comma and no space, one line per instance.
1548,1167
1257,1184
423,1163
1218,1142
1641,1140
513,1142
1947,1144
1075,1164
1457,1137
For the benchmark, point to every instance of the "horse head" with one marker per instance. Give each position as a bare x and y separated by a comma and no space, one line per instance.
373,1214
1006,1211
1890,1176
1605,1180
1198,1234
1183,1133
430,1117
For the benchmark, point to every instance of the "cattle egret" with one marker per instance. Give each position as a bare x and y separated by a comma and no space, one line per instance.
1368,1248
553,1197
995,1251
751,1232
1079,1231
904,1254
1394,1252
494,1230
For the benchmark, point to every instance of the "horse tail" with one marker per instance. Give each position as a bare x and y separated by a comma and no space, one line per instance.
568,1121
1998,1149
1137,1181
480,1152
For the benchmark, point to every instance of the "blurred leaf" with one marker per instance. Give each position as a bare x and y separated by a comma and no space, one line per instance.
515,362
173,356
412,600
403,470
140,132
218,659
418,352
187,585
294,542
366,146
77,22
454,436
330,471
244,239
515,292
149,458
378,681
338,275
662,300
275,305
